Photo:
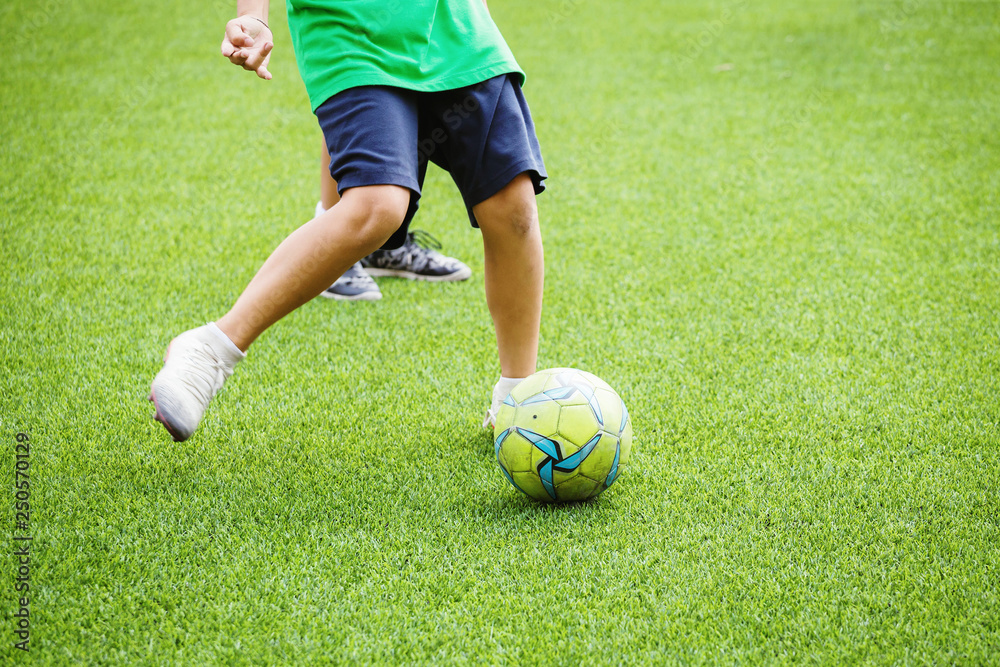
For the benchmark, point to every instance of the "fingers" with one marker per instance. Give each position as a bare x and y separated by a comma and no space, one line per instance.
257,59
232,45
237,56
254,59
237,35
262,71
241,49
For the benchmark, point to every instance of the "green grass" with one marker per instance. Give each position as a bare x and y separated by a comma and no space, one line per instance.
773,227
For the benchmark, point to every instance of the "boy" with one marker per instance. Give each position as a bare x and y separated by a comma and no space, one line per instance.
393,85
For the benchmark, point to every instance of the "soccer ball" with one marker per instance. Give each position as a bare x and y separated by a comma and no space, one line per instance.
563,435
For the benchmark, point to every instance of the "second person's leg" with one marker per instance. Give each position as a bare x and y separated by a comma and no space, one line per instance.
313,256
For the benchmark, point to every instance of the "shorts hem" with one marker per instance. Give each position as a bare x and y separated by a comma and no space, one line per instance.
498,183
364,179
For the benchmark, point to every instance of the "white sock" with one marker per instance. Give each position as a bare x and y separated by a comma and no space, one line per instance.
503,387
226,340
319,208
500,390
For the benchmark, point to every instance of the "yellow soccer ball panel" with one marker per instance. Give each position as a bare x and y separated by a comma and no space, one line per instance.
576,487
529,387
599,463
516,454
577,425
542,418
626,443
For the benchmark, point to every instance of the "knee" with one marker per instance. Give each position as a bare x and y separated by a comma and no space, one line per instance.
522,217
511,211
376,211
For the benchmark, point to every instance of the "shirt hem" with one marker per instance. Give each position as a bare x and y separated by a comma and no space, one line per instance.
450,82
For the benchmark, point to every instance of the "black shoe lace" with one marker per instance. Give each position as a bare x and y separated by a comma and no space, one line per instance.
423,239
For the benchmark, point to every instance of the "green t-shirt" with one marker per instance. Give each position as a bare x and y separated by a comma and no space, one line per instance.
425,45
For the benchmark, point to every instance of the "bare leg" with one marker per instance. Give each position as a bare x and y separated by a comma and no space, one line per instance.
327,186
515,273
313,256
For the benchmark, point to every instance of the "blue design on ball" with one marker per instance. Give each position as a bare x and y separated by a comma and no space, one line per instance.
545,473
570,383
554,459
499,443
510,479
548,446
614,466
573,461
588,393
555,394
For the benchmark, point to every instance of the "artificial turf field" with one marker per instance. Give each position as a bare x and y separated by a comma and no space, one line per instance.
772,226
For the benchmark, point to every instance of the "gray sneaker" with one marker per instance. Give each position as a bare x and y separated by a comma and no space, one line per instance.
354,285
196,365
417,259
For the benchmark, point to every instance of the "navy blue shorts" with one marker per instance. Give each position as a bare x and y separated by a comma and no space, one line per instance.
481,134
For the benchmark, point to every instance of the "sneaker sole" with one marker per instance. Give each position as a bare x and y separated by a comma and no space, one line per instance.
159,416
163,420
410,275
364,296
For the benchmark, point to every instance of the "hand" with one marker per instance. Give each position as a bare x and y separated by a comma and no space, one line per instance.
248,43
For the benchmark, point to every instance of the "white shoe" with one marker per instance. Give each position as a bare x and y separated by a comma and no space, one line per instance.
490,420
196,365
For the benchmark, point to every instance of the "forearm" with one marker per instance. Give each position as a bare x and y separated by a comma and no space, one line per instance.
257,8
